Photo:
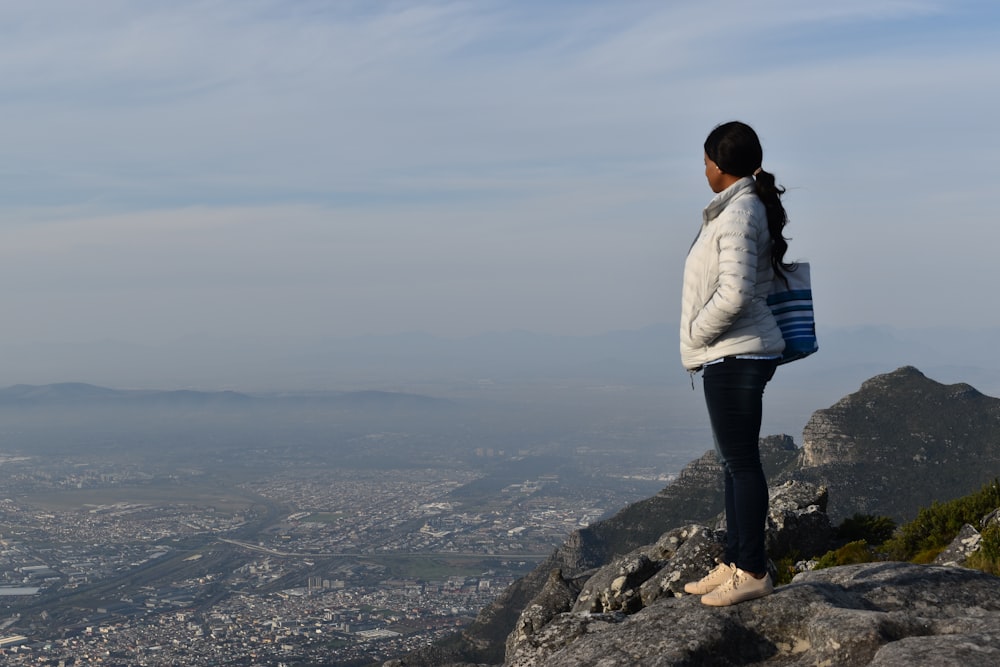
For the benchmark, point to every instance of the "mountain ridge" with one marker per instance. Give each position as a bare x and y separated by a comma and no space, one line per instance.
82,393
901,442
850,355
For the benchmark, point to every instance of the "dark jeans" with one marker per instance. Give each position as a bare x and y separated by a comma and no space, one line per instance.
734,391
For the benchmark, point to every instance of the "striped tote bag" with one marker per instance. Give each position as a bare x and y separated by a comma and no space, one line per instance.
792,306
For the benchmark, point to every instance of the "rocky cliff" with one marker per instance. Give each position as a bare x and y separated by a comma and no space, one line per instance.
899,443
633,612
878,614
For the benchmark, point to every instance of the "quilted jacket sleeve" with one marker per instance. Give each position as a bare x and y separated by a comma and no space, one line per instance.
736,281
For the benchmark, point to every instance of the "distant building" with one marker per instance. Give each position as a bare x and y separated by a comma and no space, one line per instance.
19,590
378,634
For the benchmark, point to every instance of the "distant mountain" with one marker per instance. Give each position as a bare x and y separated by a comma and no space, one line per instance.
519,362
65,394
848,356
899,443
62,391
78,393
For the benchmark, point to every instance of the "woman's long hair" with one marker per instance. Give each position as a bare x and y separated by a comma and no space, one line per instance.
735,148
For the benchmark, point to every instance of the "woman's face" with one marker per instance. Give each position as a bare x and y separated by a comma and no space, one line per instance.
714,175
718,180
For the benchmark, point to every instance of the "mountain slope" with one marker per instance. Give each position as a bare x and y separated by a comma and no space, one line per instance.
900,443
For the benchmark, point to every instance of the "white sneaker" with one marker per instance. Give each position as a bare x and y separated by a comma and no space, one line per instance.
719,575
742,586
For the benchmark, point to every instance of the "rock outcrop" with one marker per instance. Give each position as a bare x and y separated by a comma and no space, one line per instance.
888,614
899,443
968,541
884,614
638,579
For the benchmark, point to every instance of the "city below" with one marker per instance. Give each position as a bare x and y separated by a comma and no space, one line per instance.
278,558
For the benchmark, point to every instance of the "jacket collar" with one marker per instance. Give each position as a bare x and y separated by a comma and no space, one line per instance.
721,200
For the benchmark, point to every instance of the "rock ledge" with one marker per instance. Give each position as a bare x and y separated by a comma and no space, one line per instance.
885,614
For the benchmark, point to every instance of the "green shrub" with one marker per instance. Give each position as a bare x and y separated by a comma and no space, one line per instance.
785,569
849,554
987,558
936,526
989,543
927,556
868,527
921,540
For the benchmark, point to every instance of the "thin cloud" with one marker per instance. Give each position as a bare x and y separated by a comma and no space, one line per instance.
364,166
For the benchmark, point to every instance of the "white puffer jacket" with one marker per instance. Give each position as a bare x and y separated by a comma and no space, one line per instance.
727,277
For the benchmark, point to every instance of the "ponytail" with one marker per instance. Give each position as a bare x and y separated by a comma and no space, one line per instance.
735,148
770,195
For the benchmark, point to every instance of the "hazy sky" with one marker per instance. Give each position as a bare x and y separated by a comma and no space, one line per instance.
300,168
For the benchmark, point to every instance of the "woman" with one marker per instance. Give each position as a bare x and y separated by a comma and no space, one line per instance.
728,332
